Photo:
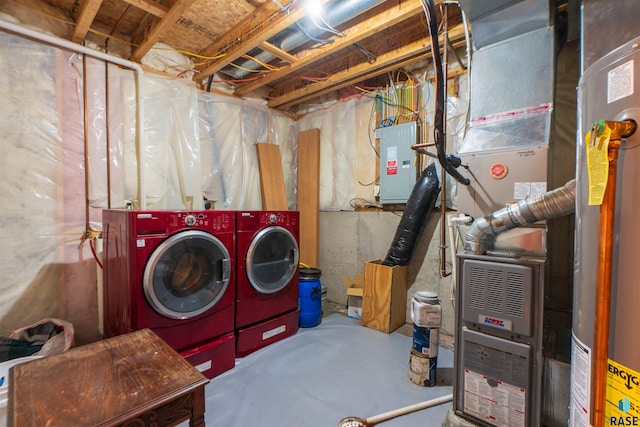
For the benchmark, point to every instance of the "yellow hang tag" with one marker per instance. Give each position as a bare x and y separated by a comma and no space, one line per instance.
597,143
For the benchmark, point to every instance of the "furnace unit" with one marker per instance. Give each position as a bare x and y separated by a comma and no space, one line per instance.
513,293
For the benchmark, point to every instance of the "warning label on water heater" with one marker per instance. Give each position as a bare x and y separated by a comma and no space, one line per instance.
580,383
620,82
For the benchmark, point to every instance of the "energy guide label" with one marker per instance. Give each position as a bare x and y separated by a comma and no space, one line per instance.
623,396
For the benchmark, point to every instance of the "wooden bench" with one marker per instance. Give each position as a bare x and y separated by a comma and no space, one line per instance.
134,379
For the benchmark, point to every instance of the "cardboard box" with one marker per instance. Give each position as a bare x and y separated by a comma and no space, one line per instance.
354,296
384,298
354,303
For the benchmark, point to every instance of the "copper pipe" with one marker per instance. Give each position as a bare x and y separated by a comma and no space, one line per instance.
619,130
443,173
85,139
603,288
623,129
423,145
422,149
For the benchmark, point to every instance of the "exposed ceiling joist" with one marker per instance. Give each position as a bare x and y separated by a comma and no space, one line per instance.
88,12
159,27
371,37
277,52
150,6
249,34
388,61
356,33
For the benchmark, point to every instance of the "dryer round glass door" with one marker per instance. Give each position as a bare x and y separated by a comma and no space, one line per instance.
187,274
272,259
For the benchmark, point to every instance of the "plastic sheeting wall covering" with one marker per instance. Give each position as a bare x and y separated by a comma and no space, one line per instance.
229,129
195,144
42,185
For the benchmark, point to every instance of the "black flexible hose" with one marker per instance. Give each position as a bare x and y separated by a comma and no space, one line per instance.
439,107
416,214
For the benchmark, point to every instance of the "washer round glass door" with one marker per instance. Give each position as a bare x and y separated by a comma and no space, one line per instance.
272,259
187,274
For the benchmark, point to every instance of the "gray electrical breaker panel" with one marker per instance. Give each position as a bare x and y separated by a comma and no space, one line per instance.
397,162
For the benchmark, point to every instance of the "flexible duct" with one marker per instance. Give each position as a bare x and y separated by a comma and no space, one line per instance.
417,212
553,204
338,12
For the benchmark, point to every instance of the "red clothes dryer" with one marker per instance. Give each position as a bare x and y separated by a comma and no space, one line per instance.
267,278
173,272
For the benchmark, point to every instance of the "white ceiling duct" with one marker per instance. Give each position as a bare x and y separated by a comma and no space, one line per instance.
305,30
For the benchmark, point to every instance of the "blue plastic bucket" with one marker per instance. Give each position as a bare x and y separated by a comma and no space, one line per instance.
310,297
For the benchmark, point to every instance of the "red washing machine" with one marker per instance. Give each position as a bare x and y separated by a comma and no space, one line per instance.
173,272
267,278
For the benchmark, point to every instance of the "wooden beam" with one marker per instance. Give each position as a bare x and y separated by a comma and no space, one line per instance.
254,3
277,52
150,6
87,13
388,61
232,41
159,27
258,27
358,32
249,24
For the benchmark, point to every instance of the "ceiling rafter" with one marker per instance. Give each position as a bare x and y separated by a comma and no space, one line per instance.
394,59
159,27
87,13
356,33
149,6
277,52
223,31
266,21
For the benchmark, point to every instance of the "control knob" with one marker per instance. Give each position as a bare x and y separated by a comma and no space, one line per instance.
190,220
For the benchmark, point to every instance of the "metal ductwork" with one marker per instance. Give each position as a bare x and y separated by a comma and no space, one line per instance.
337,13
556,203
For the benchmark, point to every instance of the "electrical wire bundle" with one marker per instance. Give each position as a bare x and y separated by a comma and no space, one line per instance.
438,131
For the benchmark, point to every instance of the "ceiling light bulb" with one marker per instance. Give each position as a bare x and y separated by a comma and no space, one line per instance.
314,8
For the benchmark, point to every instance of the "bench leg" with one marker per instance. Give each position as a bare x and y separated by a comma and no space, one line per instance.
197,414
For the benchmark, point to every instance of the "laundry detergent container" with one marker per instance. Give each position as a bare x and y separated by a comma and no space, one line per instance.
4,383
310,297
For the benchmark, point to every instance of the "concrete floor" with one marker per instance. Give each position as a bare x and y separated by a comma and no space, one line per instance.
330,307
323,374
446,342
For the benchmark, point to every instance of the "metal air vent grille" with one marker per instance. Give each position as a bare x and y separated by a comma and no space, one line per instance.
515,295
495,294
476,285
498,295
